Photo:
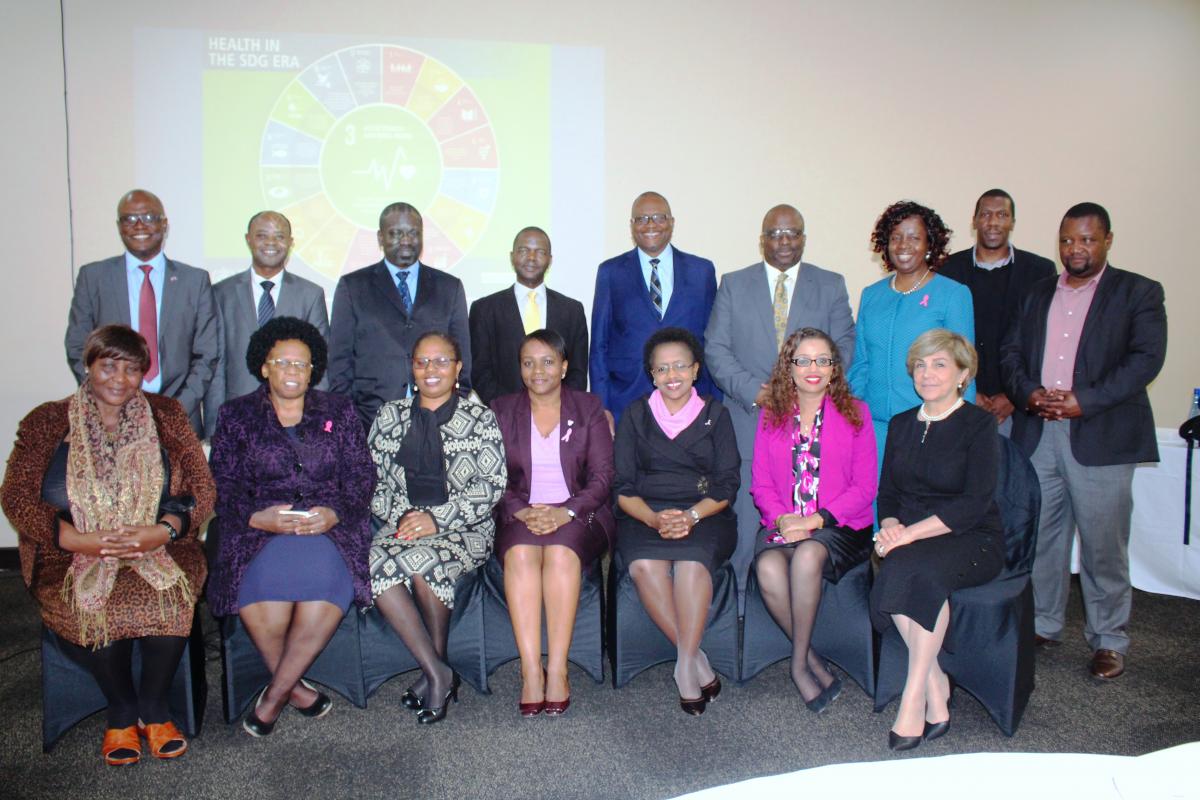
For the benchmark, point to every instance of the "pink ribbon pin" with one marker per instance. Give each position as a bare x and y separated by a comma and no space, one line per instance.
925,301
329,426
567,436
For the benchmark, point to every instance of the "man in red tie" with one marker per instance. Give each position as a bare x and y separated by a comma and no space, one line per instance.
168,302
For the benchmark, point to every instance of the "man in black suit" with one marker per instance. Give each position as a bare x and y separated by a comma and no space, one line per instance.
380,311
998,275
500,321
1076,363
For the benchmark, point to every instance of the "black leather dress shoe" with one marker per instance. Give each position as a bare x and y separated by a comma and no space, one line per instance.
1042,641
319,707
827,696
410,700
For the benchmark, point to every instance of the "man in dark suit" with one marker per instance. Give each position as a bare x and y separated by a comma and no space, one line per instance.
380,311
654,285
1076,364
168,302
998,275
500,321
756,309
247,300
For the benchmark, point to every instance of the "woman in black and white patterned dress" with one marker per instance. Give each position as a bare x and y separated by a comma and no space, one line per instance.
440,469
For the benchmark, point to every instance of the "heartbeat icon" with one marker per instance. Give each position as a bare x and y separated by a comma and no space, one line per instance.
385,175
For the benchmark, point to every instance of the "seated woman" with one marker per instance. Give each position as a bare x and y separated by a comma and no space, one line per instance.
433,524
555,517
107,490
677,468
294,482
939,527
814,480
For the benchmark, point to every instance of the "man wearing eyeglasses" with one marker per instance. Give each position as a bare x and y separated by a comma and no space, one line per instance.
249,299
655,285
756,309
380,311
167,301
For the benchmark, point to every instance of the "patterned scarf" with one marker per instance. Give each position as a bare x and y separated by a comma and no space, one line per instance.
114,479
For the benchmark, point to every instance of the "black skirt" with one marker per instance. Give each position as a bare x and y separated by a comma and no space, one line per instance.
711,542
847,548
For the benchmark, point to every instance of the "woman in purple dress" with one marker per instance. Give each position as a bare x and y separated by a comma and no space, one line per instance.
294,481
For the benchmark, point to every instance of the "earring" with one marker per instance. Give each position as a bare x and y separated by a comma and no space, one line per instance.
564,376
456,385
960,385
926,255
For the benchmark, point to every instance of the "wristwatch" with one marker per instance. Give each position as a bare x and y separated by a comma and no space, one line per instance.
570,513
172,532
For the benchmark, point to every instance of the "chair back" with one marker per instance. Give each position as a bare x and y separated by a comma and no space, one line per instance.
1019,496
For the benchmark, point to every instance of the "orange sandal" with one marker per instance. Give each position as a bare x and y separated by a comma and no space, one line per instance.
160,734
116,739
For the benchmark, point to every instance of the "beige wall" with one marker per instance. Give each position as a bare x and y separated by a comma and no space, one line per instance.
726,108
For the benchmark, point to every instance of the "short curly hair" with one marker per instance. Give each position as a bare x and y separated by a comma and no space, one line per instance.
279,329
935,231
781,387
671,336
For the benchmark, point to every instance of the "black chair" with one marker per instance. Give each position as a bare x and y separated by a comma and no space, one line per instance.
989,648
587,642
363,654
636,643
70,694
843,633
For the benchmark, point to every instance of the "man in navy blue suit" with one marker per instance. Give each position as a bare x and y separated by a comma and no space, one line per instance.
654,285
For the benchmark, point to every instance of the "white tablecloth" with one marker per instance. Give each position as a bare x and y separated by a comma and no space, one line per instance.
1158,560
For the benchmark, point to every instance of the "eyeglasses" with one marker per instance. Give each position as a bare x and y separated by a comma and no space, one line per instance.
775,234
646,219
284,363
678,366
129,220
441,362
820,361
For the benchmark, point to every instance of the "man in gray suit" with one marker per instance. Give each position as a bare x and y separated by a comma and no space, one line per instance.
168,302
246,301
756,309
380,311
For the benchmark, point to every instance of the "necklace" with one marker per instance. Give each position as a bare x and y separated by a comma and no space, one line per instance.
922,414
914,287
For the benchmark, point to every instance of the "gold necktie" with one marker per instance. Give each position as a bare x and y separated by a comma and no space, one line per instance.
533,315
781,308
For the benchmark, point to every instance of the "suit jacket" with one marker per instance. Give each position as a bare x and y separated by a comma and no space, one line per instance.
586,453
497,332
256,464
188,335
849,475
1121,349
238,320
371,339
1026,269
623,318
740,346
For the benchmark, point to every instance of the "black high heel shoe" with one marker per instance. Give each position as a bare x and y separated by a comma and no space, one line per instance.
410,700
694,707
428,716
898,742
935,729
710,692
255,726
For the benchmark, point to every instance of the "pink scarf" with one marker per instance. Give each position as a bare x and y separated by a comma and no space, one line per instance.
673,424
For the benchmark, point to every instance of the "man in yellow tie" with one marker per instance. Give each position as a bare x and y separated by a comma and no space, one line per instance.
757,307
500,321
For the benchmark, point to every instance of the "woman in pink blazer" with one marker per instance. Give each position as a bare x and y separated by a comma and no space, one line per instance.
814,479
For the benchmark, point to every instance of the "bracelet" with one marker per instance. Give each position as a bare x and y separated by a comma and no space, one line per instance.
695,516
172,533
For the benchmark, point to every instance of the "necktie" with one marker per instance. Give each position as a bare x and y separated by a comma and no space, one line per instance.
148,321
266,306
533,314
655,287
405,297
781,308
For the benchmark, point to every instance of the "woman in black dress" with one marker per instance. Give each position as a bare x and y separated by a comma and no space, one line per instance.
939,527
676,475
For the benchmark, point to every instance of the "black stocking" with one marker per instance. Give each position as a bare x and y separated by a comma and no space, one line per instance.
112,667
400,610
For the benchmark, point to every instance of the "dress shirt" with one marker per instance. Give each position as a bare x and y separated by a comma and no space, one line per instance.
522,294
1064,324
546,481
412,268
256,290
789,282
134,277
990,265
666,273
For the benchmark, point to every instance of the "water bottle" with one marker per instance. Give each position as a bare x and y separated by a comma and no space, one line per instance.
1195,411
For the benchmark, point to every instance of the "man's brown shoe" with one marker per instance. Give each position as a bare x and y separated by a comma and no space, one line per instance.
1042,641
1107,664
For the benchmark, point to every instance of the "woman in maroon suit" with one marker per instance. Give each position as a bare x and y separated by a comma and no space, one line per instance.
555,518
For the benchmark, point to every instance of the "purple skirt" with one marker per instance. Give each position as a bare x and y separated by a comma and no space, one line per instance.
297,569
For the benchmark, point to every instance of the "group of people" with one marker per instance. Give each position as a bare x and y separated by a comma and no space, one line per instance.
376,457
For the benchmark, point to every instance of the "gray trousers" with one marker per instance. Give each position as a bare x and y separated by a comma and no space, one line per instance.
1099,502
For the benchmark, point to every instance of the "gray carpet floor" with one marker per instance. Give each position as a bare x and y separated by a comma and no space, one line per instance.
631,743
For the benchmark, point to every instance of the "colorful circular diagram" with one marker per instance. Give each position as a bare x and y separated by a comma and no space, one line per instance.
367,126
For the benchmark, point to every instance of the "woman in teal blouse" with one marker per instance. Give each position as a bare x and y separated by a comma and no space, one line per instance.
893,312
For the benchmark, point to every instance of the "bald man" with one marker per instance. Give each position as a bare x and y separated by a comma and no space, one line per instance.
247,300
756,309
170,303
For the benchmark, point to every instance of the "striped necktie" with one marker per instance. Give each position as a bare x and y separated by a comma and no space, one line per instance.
405,297
655,287
266,305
